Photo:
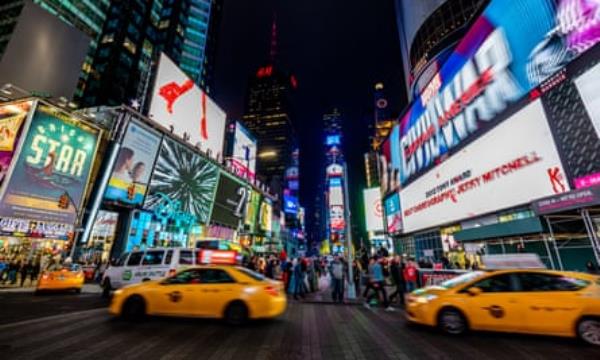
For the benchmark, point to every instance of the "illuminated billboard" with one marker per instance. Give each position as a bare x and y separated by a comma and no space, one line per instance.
337,220
333,140
290,204
336,194
508,51
230,201
182,181
53,162
12,118
244,152
335,170
373,209
513,164
178,104
133,166
393,214
252,208
588,85
266,215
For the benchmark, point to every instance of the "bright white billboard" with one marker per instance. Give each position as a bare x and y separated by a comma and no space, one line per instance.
512,164
336,195
244,151
178,103
373,209
589,88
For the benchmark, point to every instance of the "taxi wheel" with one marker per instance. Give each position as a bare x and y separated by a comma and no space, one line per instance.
134,308
236,313
452,321
588,330
78,291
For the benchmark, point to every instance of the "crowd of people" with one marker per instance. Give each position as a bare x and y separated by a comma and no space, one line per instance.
16,270
371,276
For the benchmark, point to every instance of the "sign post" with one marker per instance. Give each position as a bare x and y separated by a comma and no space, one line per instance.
351,295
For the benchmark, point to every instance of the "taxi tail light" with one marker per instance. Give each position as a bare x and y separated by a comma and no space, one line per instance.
272,290
45,276
172,272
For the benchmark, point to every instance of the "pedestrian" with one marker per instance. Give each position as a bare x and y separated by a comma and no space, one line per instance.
24,271
337,277
376,285
410,276
356,271
35,271
269,268
397,273
590,267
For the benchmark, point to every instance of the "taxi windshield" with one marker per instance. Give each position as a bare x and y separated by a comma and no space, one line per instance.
462,279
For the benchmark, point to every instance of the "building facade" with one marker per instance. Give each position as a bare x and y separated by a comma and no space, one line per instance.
470,171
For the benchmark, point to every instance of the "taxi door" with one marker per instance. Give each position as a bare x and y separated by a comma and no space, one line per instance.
216,290
178,295
496,307
553,302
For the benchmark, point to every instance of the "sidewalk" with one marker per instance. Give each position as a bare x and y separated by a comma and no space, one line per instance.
87,289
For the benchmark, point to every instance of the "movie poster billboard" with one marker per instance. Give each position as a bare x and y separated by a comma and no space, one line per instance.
179,104
230,201
337,220
55,159
508,51
12,118
183,182
252,209
132,169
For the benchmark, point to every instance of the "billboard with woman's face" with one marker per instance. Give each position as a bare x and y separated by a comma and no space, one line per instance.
133,166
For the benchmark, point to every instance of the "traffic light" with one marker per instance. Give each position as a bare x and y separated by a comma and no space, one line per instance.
63,201
131,192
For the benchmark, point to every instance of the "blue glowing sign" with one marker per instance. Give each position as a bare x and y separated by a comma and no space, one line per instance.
333,140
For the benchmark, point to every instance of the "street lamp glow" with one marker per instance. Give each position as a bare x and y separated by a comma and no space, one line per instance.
267,154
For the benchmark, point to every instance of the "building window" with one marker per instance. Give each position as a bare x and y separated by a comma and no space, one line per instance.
129,45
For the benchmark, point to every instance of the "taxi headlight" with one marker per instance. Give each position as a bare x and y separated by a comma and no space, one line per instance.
118,292
425,299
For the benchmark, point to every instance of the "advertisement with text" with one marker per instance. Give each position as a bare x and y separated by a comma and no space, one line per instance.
513,164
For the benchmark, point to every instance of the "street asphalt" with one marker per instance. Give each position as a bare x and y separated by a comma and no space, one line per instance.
69,326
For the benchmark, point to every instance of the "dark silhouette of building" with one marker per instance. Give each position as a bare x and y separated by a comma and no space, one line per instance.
268,116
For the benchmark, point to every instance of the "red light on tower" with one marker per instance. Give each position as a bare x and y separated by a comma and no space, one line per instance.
293,81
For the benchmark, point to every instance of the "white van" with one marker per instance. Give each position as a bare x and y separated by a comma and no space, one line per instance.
144,265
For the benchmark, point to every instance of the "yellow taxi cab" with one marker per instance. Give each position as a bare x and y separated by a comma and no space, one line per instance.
61,277
524,301
233,293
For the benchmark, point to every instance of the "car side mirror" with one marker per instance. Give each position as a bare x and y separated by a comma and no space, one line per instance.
474,291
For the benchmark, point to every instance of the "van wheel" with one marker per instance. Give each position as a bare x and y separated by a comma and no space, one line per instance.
588,330
452,321
134,308
236,313
106,288
145,279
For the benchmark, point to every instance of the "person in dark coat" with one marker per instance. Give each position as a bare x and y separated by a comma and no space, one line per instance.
397,274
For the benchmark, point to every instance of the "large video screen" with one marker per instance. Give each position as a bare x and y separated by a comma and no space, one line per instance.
373,209
244,151
183,181
512,164
230,201
509,50
178,103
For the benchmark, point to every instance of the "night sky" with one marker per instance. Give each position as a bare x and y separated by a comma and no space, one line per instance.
338,50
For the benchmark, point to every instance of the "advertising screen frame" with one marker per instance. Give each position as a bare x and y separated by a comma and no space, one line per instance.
227,211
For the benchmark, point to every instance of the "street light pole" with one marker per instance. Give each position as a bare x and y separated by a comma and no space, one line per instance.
351,290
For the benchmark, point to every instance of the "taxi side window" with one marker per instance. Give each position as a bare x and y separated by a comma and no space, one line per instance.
135,258
497,283
185,277
186,257
215,276
549,282
153,257
168,257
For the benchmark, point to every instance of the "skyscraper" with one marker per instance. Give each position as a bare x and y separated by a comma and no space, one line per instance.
127,37
268,115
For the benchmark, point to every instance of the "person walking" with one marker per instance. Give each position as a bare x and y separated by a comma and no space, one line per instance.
410,276
356,271
13,268
337,277
24,271
397,274
376,285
